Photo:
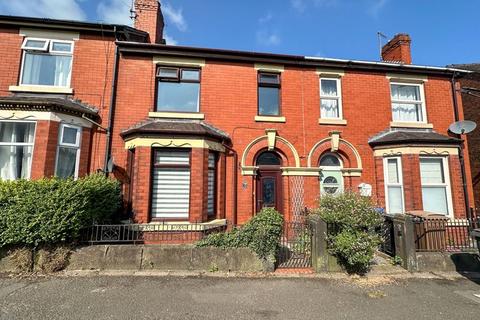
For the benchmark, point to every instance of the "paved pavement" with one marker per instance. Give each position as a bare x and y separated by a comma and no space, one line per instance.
167,297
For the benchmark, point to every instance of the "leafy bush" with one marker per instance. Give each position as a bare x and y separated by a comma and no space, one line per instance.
353,220
50,211
261,234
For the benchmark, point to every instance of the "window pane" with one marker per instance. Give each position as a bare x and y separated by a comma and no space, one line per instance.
190,75
329,87
44,69
407,112
182,97
167,73
40,44
172,157
66,162
329,108
392,171
435,199
269,78
330,185
268,192
62,47
15,162
20,132
395,202
329,160
268,158
268,101
431,171
170,192
69,135
405,92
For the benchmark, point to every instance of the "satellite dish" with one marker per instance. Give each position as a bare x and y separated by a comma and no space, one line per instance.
462,127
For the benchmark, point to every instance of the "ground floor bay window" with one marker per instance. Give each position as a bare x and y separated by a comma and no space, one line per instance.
393,185
170,184
68,151
435,180
16,149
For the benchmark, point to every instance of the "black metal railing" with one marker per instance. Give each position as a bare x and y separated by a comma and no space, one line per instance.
150,233
445,235
295,246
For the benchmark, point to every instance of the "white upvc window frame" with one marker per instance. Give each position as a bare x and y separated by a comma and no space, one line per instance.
76,145
421,101
338,97
46,50
446,184
388,184
23,144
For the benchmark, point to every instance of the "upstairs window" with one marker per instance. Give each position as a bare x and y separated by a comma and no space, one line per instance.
178,89
407,102
16,148
268,94
46,62
68,151
330,99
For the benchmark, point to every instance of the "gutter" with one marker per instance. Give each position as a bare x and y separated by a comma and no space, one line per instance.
111,111
460,149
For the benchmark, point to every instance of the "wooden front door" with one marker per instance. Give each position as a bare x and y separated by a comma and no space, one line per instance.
269,189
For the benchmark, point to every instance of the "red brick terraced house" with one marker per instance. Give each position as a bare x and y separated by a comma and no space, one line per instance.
201,135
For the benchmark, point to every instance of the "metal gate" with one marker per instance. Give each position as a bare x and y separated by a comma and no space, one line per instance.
295,246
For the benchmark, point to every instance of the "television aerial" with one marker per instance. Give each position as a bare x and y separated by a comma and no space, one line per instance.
462,127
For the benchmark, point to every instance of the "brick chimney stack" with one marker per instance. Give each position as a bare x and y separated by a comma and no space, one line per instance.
150,19
398,49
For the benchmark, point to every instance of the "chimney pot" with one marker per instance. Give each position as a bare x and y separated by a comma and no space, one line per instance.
398,49
150,19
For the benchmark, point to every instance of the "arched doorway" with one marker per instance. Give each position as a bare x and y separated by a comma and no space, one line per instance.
269,181
331,177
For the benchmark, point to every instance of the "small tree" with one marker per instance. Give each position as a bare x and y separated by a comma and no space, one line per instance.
353,221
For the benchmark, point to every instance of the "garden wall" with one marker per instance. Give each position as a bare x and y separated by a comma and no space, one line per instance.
158,257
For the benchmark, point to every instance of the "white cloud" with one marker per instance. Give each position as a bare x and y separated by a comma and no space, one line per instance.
267,38
298,5
170,41
376,6
301,5
114,11
55,9
266,18
174,16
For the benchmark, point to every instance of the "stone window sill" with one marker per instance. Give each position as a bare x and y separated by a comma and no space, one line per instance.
40,89
337,122
395,124
177,115
270,119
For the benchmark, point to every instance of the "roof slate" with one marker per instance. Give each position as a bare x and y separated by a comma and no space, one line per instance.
411,136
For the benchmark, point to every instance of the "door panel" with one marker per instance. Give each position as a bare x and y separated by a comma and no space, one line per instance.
269,189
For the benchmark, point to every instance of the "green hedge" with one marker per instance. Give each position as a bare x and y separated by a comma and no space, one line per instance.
261,234
353,221
54,210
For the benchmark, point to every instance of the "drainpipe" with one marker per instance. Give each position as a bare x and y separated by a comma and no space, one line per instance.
460,148
235,182
108,143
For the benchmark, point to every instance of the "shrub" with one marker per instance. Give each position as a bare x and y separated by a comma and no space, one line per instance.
50,211
353,221
261,234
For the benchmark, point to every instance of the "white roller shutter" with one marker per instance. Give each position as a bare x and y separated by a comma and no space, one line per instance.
211,184
171,184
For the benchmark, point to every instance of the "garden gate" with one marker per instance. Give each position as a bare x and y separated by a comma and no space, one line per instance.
295,245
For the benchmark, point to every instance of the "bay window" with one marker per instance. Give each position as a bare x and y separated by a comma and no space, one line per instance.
68,151
408,103
393,185
330,98
16,149
170,184
436,194
46,62
268,94
178,89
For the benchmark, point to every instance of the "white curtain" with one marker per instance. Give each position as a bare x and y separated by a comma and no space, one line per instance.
66,162
44,69
434,188
16,160
406,111
329,108
395,199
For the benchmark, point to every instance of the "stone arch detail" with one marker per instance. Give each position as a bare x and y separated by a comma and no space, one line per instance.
349,154
286,150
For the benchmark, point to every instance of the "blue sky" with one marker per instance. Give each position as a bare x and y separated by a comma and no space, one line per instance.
442,31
